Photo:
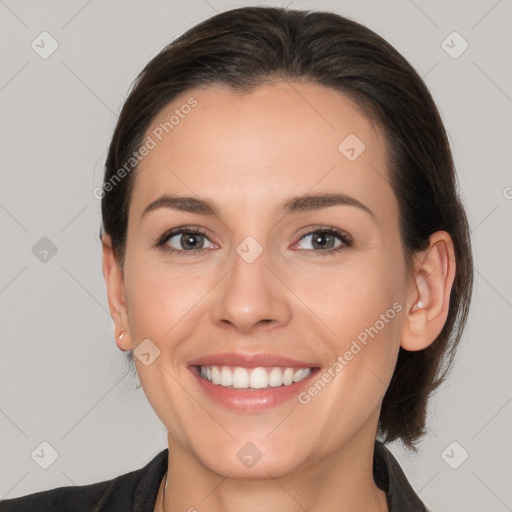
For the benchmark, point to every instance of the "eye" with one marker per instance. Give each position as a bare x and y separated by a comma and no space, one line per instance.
326,240
184,239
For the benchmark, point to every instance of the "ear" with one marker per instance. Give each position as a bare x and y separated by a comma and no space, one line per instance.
114,279
427,309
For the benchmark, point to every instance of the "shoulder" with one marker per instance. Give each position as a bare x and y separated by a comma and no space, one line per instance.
132,491
79,498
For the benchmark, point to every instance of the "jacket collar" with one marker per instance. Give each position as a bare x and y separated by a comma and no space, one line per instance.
389,477
387,473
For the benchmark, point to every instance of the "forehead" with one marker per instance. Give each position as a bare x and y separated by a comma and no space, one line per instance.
258,148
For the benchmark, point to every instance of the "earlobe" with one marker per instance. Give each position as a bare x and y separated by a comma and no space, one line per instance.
114,280
433,279
122,343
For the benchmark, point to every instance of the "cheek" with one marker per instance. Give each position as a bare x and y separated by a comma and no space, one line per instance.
361,312
352,295
364,313
160,303
159,297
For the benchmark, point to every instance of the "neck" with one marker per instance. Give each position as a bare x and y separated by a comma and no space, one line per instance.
343,481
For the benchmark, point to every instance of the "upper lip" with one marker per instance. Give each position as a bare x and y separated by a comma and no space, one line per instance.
249,361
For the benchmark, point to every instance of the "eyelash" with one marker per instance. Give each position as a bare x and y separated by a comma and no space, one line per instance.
162,241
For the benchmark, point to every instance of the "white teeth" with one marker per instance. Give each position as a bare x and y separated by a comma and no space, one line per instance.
215,375
254,378
301,374
258,379
240,378
297,376
226,377
275,378
288,376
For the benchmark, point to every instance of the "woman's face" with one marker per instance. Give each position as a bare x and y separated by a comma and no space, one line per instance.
265,281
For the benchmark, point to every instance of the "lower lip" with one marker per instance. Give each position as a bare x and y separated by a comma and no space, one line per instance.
251,400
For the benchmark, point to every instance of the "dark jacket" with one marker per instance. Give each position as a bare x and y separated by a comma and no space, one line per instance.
137,491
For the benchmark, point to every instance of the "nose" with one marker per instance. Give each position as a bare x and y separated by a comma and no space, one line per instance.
251,297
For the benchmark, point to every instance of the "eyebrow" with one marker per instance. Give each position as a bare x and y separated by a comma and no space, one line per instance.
304,203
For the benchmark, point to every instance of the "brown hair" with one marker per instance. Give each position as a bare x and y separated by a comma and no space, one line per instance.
244,48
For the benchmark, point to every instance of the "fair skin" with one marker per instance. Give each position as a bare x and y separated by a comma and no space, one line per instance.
249,153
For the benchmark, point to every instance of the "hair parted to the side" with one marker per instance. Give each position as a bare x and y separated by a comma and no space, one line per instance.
246,47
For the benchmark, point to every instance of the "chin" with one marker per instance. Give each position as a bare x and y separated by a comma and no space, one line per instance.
238,466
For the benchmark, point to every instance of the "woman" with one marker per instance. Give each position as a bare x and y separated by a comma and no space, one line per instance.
287,258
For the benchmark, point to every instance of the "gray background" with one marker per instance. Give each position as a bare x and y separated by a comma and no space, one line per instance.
62,378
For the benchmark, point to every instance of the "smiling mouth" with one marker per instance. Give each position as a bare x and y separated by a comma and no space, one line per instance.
238,377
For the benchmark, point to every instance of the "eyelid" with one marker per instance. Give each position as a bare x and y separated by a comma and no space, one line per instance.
162,240
326,229
343,236
183,229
